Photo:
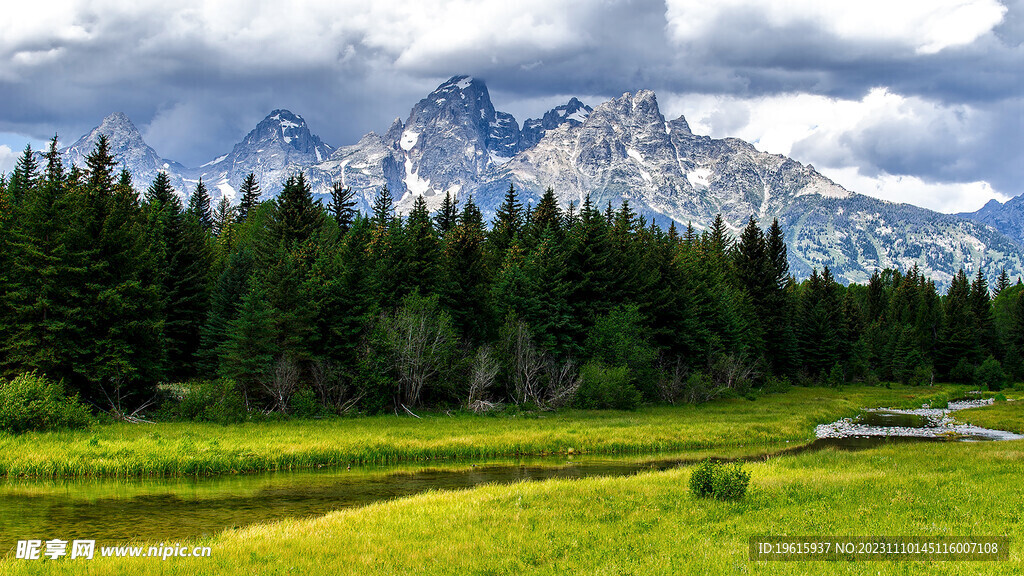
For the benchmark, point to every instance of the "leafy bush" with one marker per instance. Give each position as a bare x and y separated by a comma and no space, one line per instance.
991,374
607,387
31,402
303,404
620,338
720,481
963,372
219,401
999,398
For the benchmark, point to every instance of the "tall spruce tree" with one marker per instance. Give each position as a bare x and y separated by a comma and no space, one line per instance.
421,249
464,277
342,206
199,206
42,293
223,217
447,217
507,225
250,197
25,175
981,309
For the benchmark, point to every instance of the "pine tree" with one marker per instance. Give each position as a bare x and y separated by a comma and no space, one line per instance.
342,206
24,177
779,337
821,323
248,352
122,353
981,309
718,237
250,197
181,262
447,217
41,296
421,249
297,217
546,216
223,217
959,338
199,206
464,279
160,191
1002,283
383,207
225,300
755,275
508,222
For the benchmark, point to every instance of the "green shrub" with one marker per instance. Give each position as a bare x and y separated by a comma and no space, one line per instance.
963,372
31,402
702,481
303,404
606,387
991,374
712,479
219,401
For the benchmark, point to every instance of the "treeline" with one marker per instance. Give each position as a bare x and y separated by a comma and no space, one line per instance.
292,304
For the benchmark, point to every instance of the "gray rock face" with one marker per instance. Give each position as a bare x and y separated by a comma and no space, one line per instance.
130,151
624,149
534,129
1007,217
279,145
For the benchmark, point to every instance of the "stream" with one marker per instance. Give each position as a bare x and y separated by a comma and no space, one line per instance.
153,510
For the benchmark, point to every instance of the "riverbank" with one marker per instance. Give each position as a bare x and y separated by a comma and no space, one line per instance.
1006,415
645,524
193,449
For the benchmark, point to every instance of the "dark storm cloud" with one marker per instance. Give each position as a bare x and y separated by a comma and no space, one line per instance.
196,78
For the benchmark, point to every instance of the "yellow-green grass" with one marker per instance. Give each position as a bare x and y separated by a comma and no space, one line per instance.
191,488
646,524
1004,415
181,449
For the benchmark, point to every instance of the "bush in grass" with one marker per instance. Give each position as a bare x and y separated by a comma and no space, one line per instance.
606,387
303,404
963,372
721,481
219,401
31,402
991,374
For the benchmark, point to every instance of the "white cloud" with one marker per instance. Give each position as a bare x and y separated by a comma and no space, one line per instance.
902,149
8,158
941,197
926,26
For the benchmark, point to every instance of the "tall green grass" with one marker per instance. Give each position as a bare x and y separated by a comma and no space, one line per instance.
645,524
197,449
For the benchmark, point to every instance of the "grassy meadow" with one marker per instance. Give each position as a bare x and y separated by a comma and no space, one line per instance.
1007,415
644,524
197,449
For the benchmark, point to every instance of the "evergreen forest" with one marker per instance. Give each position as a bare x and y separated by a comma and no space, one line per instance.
289,306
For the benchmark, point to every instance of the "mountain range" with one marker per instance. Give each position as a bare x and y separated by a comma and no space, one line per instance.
454,140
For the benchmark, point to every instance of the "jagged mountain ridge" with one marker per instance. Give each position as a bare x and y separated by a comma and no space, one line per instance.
1007,217
455,141
126,144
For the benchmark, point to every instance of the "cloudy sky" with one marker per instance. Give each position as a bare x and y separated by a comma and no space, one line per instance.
915,101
